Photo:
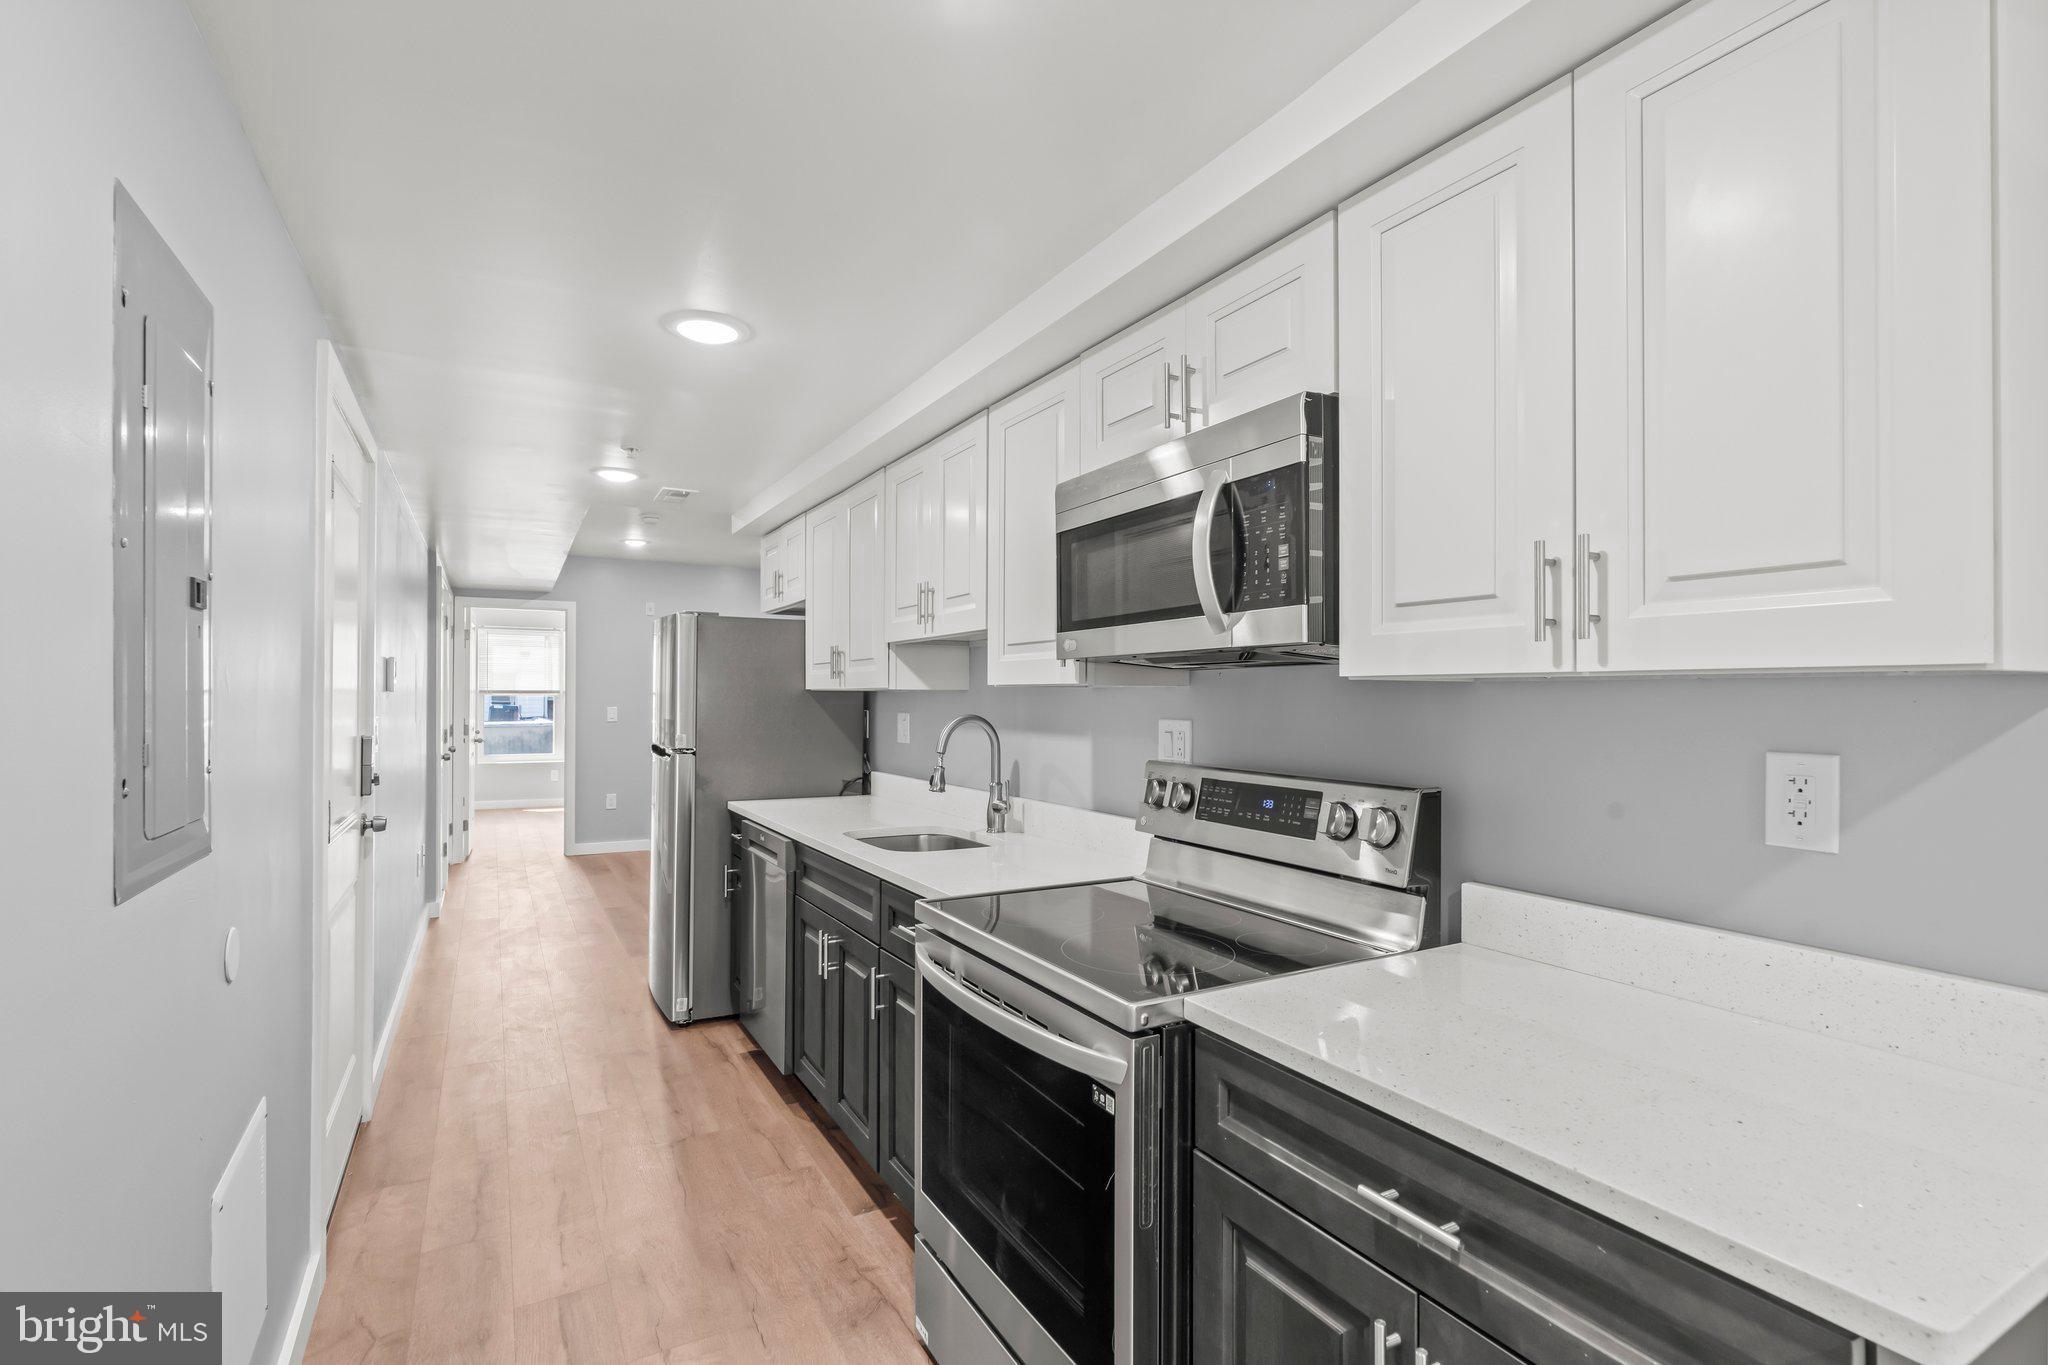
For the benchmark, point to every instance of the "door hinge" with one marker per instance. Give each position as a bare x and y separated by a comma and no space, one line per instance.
465,826
145,398
145,753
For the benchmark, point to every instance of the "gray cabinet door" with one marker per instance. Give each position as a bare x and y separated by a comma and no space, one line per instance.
896,1086
856,1068
817,1020
1271,1287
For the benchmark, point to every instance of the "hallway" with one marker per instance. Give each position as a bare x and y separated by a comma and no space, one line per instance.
553,1173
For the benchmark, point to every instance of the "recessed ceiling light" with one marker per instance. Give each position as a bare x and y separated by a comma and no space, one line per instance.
705,328
635,543
611,473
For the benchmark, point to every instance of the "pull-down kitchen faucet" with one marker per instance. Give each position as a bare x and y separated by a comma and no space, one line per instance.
998,797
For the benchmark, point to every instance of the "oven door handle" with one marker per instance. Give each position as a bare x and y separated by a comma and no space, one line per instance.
1214,486
1097,1066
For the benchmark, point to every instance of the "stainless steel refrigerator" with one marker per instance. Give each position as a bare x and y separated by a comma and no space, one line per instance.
732,722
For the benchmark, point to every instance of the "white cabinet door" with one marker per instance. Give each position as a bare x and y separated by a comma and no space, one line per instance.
909,560
865,662
1034,441
1131,390
825,612
958,599
1267,329
1455,505
771,565
1784,325
794,538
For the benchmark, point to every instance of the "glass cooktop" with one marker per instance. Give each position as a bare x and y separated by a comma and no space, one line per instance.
1126,950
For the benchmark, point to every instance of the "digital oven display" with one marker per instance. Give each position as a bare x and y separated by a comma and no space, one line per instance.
1252,805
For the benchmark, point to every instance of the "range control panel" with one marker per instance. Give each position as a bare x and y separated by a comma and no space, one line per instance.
1293,811
1269,517
1351,829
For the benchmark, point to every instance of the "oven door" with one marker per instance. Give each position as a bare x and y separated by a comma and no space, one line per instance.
1222,556
1038,1163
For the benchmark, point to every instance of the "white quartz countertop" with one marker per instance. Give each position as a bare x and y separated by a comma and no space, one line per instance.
1894,1196
1007,862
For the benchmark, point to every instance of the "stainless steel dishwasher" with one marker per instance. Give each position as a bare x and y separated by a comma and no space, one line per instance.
758,884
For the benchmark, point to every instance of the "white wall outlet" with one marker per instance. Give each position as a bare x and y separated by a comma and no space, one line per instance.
1803,801
1177,741
554,774
611,713
903,727
611,800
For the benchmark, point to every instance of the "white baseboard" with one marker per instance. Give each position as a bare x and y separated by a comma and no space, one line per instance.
412,959
613,846
518,803
299,1327
434,908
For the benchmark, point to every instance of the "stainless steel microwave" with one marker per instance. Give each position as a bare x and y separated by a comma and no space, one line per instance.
1215,550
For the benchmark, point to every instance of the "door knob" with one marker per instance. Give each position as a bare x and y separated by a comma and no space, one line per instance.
376,824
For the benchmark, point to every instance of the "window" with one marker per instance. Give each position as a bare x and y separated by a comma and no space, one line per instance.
519,693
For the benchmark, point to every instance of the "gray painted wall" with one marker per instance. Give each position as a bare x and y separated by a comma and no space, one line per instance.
1644,794
130,1065
614,637
538,784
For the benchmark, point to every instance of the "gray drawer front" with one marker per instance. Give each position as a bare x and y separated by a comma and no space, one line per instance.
852,896
1549,1280
1442,1340
899,921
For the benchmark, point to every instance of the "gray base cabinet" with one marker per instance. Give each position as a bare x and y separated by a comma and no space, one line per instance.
855,1007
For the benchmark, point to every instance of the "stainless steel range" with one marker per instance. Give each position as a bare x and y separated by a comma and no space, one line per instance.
1052,1056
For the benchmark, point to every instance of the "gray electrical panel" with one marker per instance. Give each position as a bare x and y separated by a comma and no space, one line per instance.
163,559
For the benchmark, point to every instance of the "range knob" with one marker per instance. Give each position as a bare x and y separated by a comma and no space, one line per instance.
1382,827
1181,796
1342,821
1155,792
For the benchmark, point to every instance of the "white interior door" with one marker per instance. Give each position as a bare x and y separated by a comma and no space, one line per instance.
1784,333
346,878
1455,511
470,736
449,706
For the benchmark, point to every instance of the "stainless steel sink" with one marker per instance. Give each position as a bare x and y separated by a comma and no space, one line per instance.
916,840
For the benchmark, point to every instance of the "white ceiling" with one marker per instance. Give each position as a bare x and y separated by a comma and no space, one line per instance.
497,198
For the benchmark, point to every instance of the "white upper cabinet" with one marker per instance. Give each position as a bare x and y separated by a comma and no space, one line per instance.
937,560
1784,339
825,614
782,566
1033,442
1265,330
1455,328
1131,390
864,662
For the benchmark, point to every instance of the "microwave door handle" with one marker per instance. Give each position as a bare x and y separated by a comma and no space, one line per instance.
1097,1066
1205,578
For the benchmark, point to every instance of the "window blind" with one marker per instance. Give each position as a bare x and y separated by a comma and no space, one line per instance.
518,659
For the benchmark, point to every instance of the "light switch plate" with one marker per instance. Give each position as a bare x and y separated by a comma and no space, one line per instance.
1803,801
611,713
1176,741
903,727
611,800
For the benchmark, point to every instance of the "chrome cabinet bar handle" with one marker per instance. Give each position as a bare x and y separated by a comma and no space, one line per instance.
1387,1202
1546,621
826,966
1588,556
1168,423
1383,1341
1422,1355
1187,396
874,994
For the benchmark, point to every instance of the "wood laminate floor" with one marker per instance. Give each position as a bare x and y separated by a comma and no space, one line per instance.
554,1174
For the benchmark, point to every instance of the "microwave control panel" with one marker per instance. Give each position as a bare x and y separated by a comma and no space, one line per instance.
1270,520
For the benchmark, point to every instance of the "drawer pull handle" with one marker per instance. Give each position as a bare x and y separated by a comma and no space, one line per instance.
1387,1202
1383,1341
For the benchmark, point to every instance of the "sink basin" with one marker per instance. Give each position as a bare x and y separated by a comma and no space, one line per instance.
915,840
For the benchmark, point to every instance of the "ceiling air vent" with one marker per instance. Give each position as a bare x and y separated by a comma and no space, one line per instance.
674,495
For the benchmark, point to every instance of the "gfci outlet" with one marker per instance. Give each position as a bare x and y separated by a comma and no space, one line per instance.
1803,801
903,727
1176,741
